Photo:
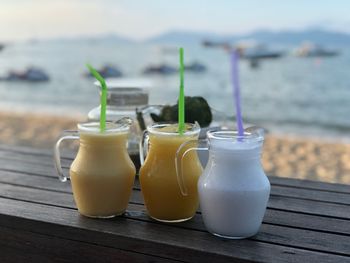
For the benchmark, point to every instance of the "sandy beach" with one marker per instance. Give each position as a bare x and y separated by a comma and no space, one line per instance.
296,157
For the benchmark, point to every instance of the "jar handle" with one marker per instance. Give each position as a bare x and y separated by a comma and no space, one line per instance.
142,149
179,160
67,135
146,110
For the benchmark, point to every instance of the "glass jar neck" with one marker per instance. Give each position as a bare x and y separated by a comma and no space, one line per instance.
235,155
104,141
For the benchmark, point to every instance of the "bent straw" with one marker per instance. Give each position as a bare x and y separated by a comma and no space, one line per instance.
236,92
181,103
103,96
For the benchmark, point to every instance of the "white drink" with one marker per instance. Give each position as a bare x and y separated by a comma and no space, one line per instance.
233,189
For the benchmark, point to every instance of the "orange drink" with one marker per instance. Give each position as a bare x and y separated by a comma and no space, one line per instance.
158,179
102,174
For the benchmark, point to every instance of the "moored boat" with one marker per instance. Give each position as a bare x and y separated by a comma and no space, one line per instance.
308,49
108,71
31,74
161,69
195,67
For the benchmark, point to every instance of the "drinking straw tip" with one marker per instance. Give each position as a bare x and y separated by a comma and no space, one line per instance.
181,103
96,75
236,91
103,96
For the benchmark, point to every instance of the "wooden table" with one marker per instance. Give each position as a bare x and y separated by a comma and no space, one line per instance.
305,222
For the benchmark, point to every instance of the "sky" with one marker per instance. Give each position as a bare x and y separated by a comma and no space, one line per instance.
140,19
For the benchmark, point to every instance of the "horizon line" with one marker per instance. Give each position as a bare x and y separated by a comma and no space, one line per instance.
148,38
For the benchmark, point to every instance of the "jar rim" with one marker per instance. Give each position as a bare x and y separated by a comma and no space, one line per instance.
116,83
191,129
111,127
252,134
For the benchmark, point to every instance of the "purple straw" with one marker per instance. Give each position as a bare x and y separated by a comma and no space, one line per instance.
236,92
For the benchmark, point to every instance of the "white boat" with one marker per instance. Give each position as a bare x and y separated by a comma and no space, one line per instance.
309,49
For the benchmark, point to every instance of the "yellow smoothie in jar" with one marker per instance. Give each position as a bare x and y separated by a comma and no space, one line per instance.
162,195
102,175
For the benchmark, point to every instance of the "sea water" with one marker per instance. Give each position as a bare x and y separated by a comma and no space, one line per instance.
305,96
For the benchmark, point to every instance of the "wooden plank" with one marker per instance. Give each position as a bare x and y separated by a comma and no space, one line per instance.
24,149
331,197
311,194
28,168
280,181
23,246
299,193
275,202
272,216
309,207
27,158
152,239
50,197
47,183
286,236
34,151
308,222
308,184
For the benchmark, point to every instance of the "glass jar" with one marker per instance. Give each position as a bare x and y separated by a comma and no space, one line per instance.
233,189
102,173
124,97
161,192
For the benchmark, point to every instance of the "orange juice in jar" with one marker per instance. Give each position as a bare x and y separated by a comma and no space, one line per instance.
102,174
158,177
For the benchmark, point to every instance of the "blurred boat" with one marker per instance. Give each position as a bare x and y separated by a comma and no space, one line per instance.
161,69
164,69
261,54
248,49
258,51
196,67
31,74
168,49
108,71
2,46
308,49
209,43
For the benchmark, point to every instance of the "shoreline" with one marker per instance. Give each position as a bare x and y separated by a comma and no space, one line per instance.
283,155
308,133
334,137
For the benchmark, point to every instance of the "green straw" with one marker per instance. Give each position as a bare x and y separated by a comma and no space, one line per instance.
103,96
181,104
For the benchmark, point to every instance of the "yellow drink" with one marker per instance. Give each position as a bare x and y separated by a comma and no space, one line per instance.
102,174
159,185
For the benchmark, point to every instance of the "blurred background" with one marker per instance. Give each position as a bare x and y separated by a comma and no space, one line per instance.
294,62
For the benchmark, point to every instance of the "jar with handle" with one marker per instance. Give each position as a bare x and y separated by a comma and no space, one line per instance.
102,173
233,189
161,192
